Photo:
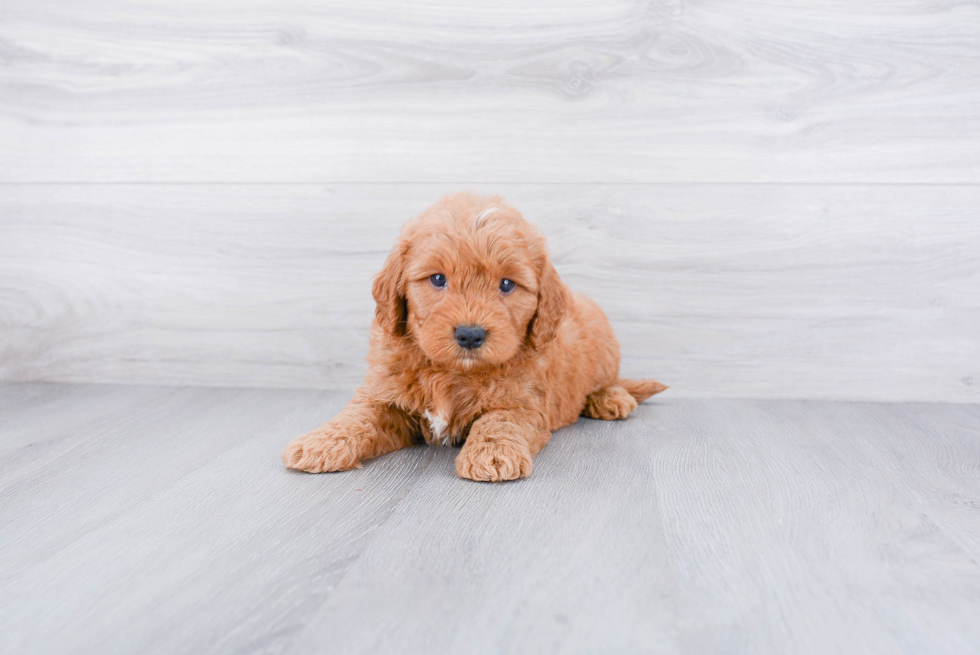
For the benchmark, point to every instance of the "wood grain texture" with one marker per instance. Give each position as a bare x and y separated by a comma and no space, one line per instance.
159,520
800,527
571,561
175,518
787,291
448,92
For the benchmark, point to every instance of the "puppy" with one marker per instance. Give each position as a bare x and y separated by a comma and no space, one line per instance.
476,341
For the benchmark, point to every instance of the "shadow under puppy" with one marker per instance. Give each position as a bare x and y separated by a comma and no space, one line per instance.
476,340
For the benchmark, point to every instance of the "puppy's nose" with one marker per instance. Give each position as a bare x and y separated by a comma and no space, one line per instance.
470,336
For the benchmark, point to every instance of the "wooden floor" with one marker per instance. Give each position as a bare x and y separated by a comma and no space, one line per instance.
160,520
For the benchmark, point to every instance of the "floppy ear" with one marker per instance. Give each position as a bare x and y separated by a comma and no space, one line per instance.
553,301
392,306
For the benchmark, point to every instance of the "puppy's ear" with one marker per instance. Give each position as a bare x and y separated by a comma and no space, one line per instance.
392,306
553,302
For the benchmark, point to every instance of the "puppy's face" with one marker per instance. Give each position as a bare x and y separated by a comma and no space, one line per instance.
472,284
471,294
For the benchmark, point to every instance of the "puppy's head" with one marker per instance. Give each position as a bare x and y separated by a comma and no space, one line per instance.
470,283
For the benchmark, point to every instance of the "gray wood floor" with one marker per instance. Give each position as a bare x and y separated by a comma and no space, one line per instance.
159,520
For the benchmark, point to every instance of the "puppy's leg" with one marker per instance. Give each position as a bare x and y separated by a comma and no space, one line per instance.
500,446
364,429
613,402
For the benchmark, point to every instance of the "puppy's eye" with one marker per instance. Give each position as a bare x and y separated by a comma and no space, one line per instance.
438,280
507,285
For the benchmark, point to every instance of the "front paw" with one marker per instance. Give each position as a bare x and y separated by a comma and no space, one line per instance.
494,461
321,451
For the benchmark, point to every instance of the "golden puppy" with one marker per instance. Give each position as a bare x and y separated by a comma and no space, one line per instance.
477,341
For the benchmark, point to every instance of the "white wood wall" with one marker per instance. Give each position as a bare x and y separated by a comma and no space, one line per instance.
770,199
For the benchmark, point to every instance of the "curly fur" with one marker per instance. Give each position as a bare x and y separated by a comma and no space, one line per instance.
549,356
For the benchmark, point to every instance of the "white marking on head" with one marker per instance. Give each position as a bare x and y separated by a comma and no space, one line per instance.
438,425
481,218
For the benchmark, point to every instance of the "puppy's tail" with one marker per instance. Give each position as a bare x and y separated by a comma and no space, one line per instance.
641,389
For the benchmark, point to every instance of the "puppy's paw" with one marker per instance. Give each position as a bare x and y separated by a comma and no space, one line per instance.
321,451
494,461
609,404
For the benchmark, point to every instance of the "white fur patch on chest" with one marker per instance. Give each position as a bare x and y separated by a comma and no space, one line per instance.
439,427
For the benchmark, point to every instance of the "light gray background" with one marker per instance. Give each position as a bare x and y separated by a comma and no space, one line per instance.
771,200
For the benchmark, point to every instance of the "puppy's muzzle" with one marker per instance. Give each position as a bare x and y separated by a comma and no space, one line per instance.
470,336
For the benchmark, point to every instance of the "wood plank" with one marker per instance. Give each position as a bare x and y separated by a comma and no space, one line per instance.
694,527
561,91
810,527
949,470
789,291
172,526
169,525
570,560
43,409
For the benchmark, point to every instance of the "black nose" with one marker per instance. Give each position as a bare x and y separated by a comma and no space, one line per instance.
470,336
